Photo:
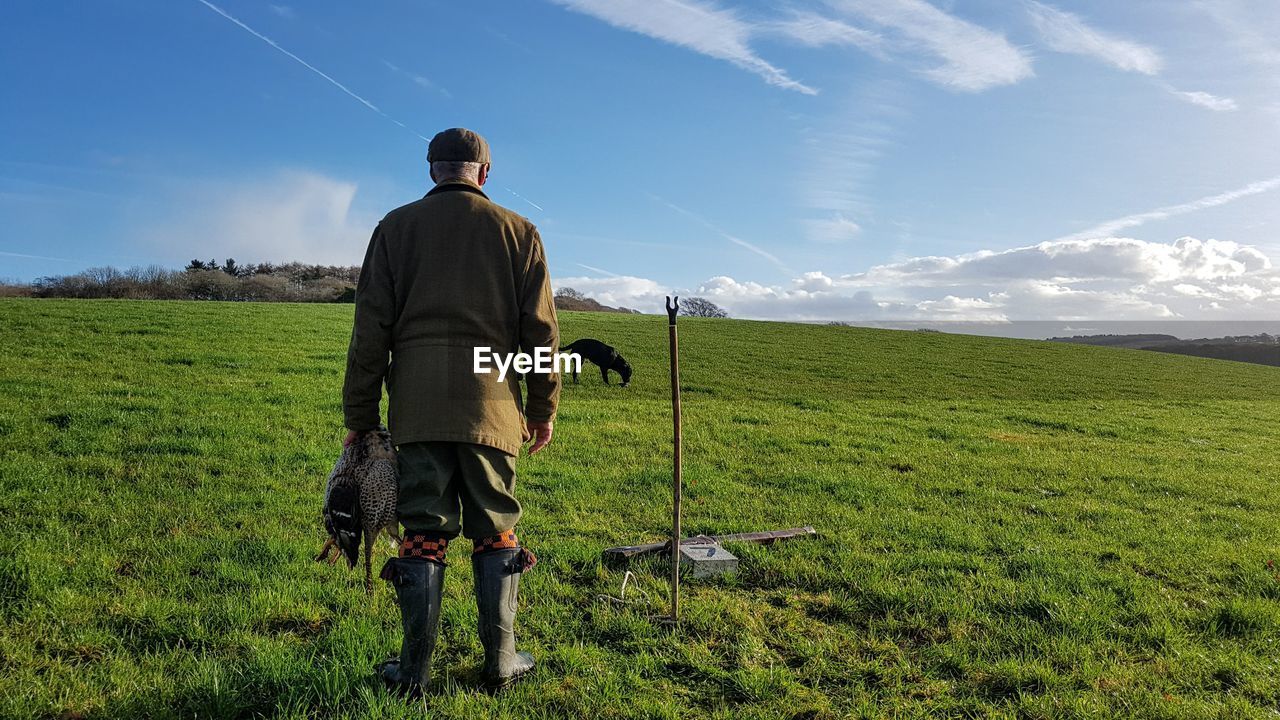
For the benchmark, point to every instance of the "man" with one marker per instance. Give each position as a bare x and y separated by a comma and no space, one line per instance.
443,276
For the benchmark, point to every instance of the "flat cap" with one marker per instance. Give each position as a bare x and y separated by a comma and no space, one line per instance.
458,145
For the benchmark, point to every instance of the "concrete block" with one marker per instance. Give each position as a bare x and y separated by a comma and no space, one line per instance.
698,561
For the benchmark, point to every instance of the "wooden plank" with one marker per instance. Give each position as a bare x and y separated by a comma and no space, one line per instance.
628,552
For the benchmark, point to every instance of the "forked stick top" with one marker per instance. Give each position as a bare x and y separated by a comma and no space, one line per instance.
673,308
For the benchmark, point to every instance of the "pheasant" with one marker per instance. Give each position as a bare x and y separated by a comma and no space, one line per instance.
360,500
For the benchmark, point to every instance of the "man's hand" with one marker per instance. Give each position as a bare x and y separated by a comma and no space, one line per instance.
350,438
540,433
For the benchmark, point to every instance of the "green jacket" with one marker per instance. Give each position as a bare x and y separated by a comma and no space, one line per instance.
442,276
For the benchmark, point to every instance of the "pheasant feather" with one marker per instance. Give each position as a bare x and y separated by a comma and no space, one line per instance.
360,501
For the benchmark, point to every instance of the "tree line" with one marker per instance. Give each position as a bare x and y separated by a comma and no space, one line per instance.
263,282
568,298
207,280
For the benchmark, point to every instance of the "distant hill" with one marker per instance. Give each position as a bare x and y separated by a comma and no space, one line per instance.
1137,342
1258,353
586,304
1258,349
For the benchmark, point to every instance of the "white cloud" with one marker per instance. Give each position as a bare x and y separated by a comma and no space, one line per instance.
1206,100
1067,33
284,11
834,229
1242,291
814,282
746,299
814,30
294,215
619,291
1030,300
1112,227
697,25
310,217
973,58
1100,279
837,161
1075,261
837,166
1250,26
961,309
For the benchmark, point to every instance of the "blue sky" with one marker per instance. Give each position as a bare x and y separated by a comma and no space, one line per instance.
817,160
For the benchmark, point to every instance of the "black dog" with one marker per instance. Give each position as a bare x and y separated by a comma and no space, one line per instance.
603,355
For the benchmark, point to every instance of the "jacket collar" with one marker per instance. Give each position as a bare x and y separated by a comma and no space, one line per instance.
459,184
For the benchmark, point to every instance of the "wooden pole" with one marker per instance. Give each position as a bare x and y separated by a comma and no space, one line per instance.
672,309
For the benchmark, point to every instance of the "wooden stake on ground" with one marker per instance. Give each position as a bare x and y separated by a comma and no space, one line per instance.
704,552
672,309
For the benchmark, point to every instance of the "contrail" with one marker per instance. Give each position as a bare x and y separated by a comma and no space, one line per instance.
513,192
602,271
33,257
731,238
335,83
310,67
1112,226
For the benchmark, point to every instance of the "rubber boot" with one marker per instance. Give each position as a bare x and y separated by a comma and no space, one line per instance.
418,584
497,574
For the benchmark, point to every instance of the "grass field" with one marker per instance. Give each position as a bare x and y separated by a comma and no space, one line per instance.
1007,528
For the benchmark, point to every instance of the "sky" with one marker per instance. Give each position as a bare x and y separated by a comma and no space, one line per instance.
817,160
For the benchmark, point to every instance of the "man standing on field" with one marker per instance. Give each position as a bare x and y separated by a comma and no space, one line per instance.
442,276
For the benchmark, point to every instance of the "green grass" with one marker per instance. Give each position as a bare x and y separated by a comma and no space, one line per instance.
1007,528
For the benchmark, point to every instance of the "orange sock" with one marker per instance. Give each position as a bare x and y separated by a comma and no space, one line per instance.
427,546
501,541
